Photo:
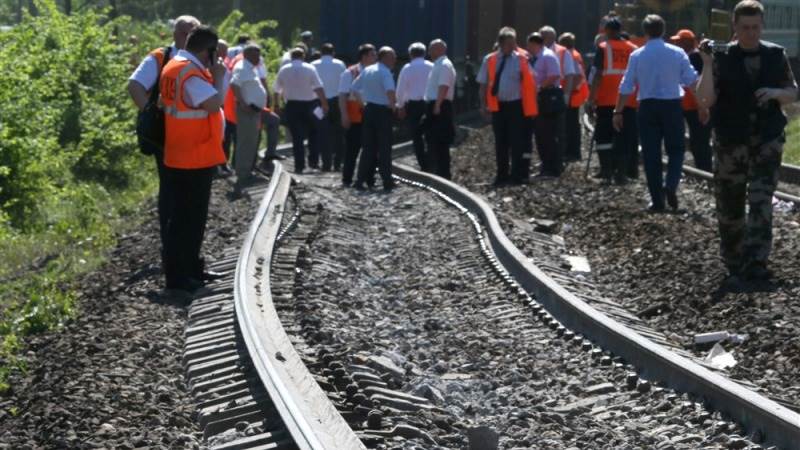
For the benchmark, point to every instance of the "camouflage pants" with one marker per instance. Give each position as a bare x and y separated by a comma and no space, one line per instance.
746,174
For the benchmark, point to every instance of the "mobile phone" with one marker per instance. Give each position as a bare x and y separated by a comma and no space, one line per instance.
212,54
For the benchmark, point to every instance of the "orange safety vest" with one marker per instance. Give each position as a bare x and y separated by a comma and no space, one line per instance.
193,137
230,99
580,93
689,101
527,86
616,54
355,110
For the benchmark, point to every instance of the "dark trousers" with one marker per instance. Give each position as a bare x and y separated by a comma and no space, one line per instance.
415,112
352,139
165,201
661,121
377,139
511,131
546,129
699,140
572,134
191,191
333,148
303,124
618,152
229,139
440,132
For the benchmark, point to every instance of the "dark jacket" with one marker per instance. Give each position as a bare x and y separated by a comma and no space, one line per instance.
736,99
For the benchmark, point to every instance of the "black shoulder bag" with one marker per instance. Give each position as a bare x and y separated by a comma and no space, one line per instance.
150,121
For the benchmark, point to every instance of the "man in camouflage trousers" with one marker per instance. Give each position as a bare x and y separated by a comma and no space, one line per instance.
746,84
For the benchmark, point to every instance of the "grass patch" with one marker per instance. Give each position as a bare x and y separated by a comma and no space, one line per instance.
38,270
791,154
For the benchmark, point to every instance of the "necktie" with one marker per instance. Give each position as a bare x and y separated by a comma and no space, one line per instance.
496,85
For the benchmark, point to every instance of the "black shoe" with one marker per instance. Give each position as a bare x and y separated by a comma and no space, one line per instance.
601,176
620,180
360,187
672,199
499,182
346,183
733,282
757,272
387,187
210,275
655,209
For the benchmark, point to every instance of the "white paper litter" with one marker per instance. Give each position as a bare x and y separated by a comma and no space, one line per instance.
319,113
578,264
720,358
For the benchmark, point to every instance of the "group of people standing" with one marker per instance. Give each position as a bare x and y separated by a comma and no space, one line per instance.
347,113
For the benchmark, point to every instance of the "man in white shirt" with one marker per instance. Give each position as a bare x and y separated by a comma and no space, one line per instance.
141,86
440,126
306,105
251,98
330,71
410,92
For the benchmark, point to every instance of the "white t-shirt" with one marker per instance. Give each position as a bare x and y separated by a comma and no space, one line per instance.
248,78
297,81
147,71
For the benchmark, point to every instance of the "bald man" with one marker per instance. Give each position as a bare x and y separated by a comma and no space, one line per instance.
143,89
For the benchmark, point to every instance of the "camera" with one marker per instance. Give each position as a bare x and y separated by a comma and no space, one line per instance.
716,47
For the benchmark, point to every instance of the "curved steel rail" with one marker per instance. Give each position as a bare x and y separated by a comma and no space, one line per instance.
311,419
778,424
788,173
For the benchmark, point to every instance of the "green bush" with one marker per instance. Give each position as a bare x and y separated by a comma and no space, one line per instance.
792,151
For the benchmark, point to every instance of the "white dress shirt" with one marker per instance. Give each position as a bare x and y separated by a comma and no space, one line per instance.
412,81
442,74
297,81
147,71
248,78
330,71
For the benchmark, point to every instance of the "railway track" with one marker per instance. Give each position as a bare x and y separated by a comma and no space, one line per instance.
789,174
276,356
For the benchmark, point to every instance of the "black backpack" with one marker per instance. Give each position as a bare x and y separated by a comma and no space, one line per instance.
150,121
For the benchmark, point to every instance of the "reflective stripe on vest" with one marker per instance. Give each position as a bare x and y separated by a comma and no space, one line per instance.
609,68
527,83
173,109
611,76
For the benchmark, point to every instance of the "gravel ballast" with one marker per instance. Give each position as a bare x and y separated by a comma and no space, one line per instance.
112,377
663,268
393,289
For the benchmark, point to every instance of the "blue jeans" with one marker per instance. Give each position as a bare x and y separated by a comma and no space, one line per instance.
661,121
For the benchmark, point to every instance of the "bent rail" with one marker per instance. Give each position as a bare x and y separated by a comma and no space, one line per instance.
311,419
777,424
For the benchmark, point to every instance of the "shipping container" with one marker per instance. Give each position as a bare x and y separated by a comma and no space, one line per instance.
396,23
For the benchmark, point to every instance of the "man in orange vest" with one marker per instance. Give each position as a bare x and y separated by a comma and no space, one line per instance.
142,86
613,148
351,109
578,94
699,133
508,96
192,95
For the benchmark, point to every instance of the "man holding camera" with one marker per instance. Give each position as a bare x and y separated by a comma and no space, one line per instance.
745,84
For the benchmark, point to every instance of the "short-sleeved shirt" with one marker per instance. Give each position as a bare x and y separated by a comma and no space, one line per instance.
660,70
346,80
412,80
248,78
546,65
510,79
147,72
442,74
374,83
297,81
195,90
329,70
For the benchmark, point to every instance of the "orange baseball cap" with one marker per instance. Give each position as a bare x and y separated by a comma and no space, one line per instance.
683,35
